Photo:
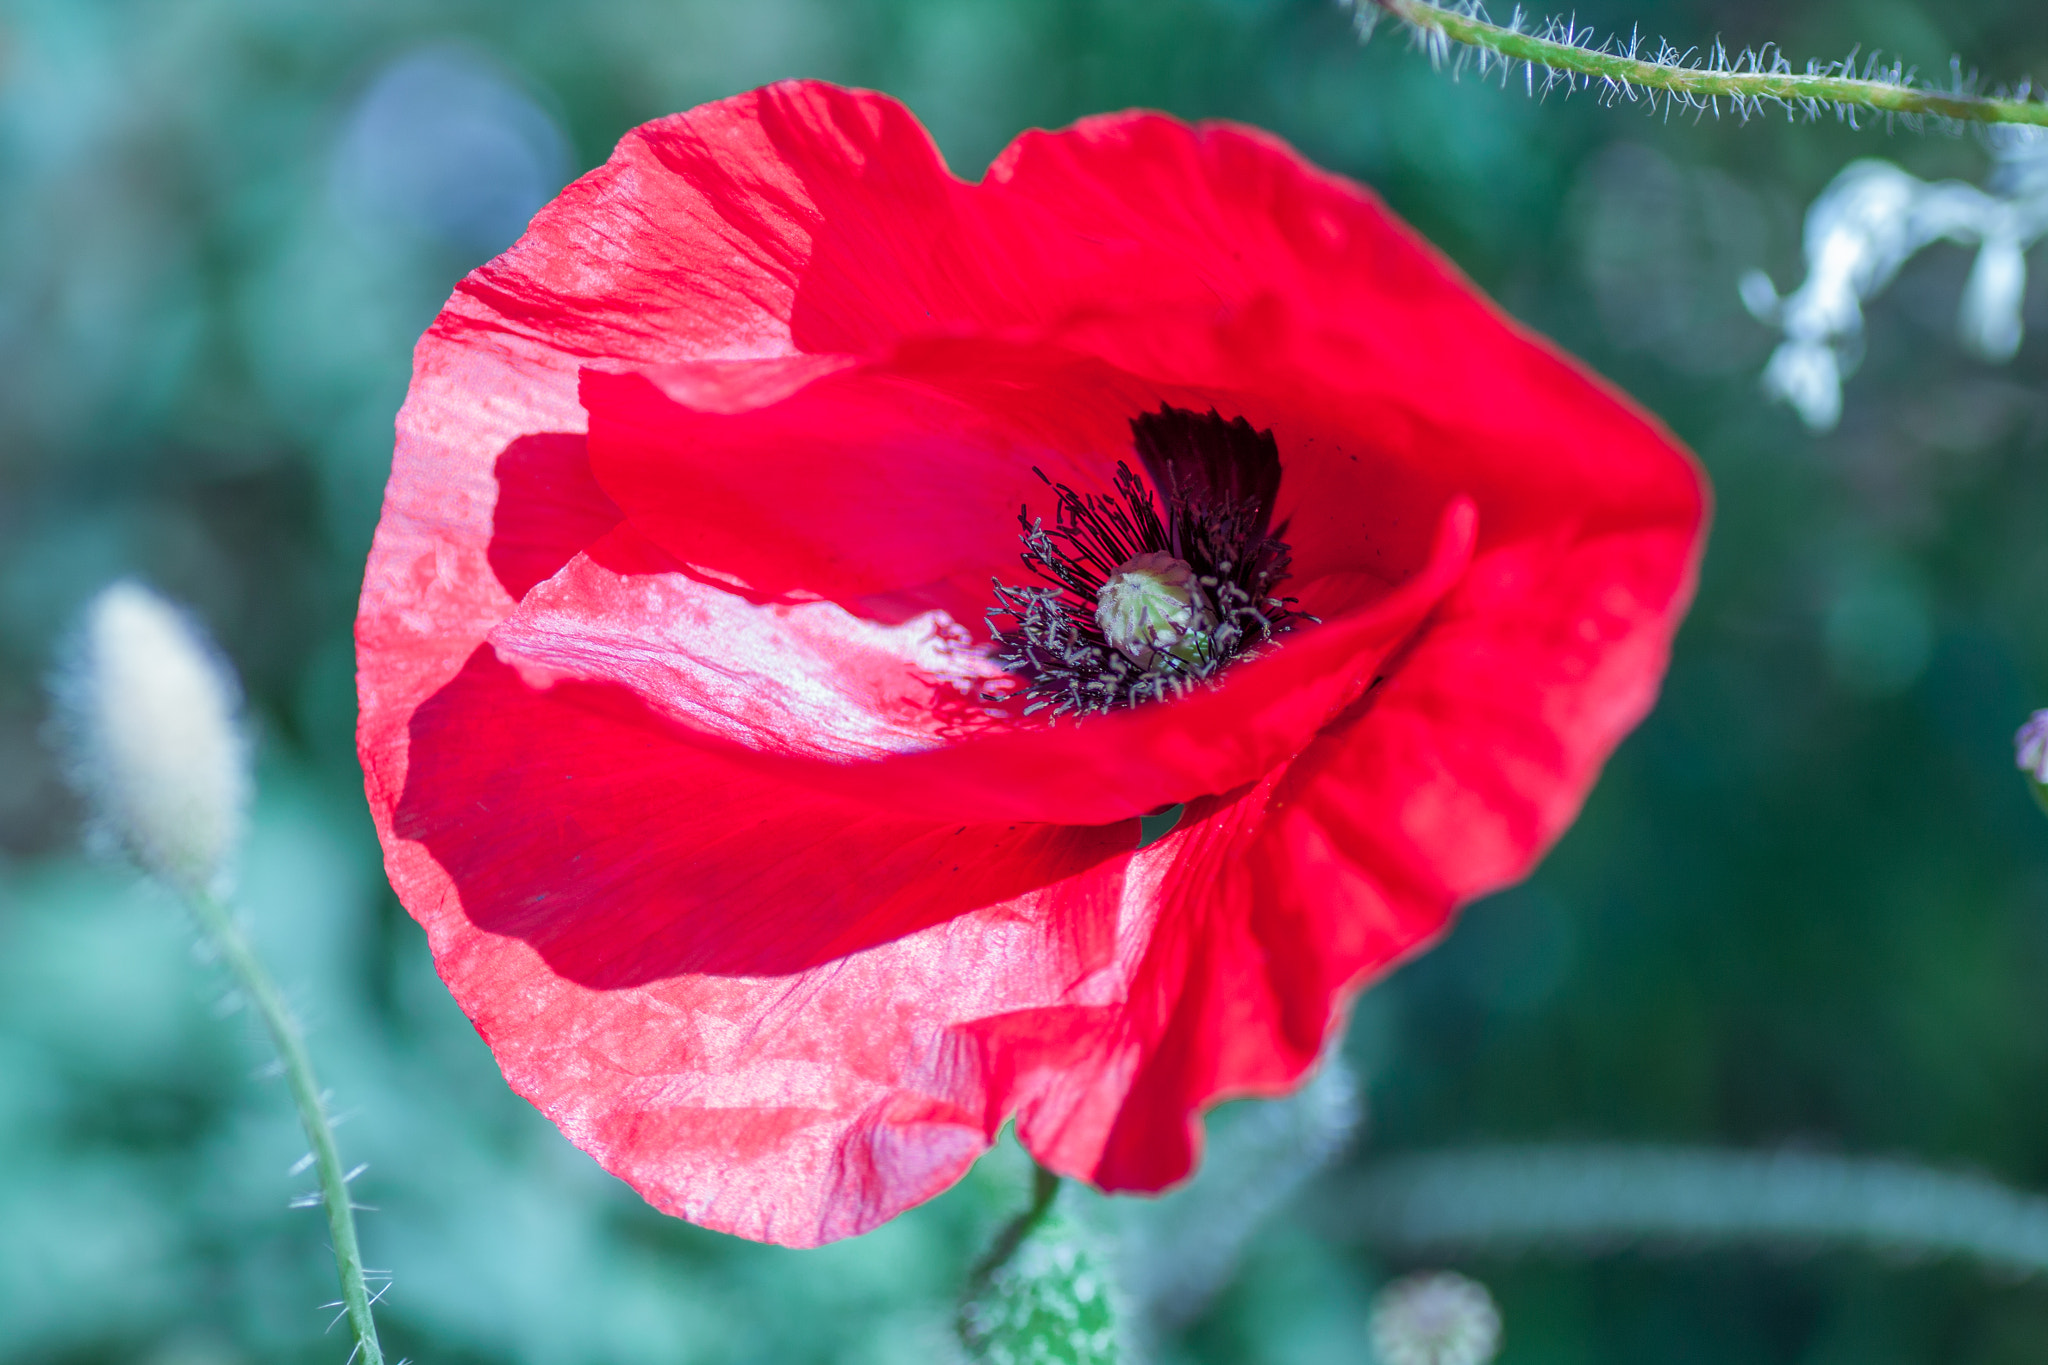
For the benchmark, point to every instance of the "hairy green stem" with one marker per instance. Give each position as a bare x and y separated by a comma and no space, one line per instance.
1504,1199
269,1002
1623,72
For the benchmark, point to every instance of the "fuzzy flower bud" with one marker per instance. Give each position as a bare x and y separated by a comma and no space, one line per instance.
2030,751
2030,747
1054,1301
1435,1318
1152,605
147,708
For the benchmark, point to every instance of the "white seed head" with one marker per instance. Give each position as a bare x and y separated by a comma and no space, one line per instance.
1435,1318
1152,605
2030,747
148,710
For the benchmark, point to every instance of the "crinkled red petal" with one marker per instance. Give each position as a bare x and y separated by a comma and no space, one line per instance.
673,760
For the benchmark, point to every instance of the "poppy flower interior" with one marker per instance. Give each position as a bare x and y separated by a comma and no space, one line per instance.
1138,602
896,488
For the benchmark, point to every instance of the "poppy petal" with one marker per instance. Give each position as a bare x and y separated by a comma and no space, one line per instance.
794,1016
668,736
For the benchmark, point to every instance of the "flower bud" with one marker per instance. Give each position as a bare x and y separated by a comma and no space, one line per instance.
2030,751
1435,1318
147,708
1054,1300
1152,605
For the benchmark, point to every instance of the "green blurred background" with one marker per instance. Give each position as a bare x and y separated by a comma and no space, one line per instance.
1807,905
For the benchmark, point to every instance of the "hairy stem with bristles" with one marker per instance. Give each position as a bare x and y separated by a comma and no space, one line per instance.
1746,81
269,1002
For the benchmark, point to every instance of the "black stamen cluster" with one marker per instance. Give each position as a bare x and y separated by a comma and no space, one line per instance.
1219,480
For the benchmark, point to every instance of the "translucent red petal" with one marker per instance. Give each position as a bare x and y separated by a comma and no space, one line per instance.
670,645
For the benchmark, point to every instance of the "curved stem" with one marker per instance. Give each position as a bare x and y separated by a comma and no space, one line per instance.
1045,1187
1623,72
1508,1198
269,1001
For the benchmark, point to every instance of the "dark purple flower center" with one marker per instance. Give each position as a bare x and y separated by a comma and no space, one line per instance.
1134,605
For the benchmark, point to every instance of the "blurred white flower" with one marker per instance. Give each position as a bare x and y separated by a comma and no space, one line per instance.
1868,222
1808,375
1990,318
1437,1317
2020,160
2030,747
147,709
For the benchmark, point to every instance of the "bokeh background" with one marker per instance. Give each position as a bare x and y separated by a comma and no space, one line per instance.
1807,906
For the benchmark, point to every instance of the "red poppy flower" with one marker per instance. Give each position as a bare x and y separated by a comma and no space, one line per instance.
775,870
